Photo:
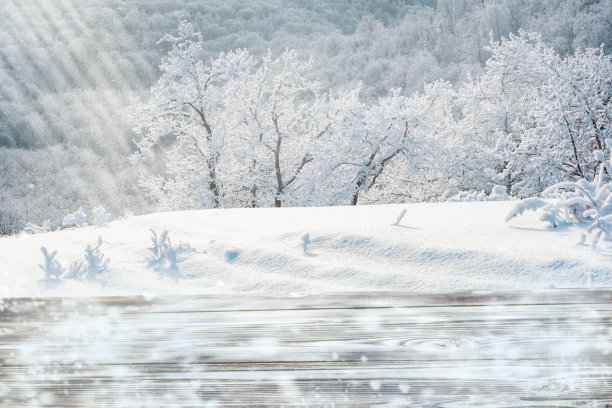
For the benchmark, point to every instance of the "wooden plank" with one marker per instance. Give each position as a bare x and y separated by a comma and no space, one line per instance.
550,348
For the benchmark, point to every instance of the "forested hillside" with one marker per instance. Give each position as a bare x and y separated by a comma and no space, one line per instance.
70,70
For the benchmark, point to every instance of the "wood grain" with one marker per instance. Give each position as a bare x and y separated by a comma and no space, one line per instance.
550,348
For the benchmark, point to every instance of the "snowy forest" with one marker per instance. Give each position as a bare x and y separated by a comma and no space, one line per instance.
140,106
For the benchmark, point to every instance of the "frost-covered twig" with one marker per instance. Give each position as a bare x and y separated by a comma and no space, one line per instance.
401,215
51,268
163,256
577,202
95,260
529,204
76,270
305,242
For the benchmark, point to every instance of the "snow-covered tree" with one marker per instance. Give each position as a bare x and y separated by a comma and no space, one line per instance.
534,117
277,120
182,121
63,126
234,132
383,150
243,131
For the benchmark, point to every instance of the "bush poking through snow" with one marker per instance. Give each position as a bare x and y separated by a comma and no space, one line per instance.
10,222
159,250
528,204
577,202
498,193
32,228
52,267
76,271
96,262
76,219
163,256
101,217
305,242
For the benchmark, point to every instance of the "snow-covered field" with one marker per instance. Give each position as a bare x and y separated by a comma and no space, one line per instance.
436,247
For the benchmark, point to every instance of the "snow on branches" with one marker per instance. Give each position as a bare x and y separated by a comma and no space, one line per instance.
163,256
583,202
233,131
536,117
239,131
382,148
95,265
185,114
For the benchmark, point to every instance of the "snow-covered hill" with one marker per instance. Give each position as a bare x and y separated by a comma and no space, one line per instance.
436,247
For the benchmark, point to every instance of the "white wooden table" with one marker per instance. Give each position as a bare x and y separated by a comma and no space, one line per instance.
516,349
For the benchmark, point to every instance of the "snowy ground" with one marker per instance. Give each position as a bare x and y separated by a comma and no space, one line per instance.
436,247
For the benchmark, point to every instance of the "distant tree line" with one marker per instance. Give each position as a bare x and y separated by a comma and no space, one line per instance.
241,131
69,69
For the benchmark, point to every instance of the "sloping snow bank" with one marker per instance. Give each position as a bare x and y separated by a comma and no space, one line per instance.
436,247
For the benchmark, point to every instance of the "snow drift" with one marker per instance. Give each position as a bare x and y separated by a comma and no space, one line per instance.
434,248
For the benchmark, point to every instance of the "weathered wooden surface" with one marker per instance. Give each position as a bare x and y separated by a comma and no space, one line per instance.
550,348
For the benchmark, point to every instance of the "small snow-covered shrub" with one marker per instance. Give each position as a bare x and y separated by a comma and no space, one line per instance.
159,250
76,271
96,262
76,219
32,228
528,204
163,256
581,201
10,222
498,193
101,217
52,268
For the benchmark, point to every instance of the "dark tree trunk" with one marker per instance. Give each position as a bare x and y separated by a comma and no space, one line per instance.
279,175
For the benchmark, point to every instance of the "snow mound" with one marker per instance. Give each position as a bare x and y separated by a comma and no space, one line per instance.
434,248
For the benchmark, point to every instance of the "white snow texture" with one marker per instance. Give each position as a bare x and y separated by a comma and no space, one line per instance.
436,247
